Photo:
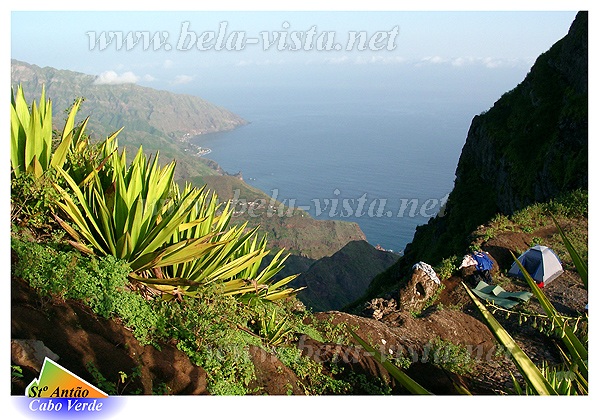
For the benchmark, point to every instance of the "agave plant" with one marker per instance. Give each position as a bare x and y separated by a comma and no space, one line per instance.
236,263
31,135
174,241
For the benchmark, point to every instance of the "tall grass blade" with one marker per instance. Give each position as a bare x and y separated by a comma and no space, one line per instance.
580,264
406,381
529,370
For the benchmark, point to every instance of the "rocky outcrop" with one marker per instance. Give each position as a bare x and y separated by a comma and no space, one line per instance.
84,342
401,336
419,291
531,146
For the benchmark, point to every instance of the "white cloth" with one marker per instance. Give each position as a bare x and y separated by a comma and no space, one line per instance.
428,270
467,261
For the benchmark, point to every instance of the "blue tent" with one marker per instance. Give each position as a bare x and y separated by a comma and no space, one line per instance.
540,262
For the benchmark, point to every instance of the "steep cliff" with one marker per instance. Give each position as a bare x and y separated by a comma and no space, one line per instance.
531,146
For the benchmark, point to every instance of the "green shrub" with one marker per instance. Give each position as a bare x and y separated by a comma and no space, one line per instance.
452,357
101,283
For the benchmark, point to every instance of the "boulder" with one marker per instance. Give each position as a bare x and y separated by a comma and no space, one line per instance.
30,353
416,294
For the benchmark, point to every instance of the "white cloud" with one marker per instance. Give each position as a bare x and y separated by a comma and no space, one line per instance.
148,78
182,79
167,64
489,62
243,63
436,59
111,77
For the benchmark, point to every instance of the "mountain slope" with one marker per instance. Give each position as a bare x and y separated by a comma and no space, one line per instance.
158,120
164,121
333,282
531,146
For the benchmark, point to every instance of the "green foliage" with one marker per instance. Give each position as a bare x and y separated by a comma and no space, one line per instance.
447,267
99,282
174,241
451,357
313,377
32,200
211,331
118,386
578,261
31,135
407,382
273,328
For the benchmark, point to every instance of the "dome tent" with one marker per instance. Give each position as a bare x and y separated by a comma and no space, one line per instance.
540,262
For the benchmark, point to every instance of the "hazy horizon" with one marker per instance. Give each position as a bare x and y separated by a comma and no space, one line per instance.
476,53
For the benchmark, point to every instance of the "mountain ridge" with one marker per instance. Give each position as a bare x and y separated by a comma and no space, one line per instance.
529,147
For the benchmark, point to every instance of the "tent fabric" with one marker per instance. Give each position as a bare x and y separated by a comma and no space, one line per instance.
498,296
540,262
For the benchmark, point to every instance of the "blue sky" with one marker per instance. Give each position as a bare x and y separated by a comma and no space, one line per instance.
426,42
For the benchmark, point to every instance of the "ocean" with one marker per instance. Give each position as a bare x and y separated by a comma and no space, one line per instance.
380,158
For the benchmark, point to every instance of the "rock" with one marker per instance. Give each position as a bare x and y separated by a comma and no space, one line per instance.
30,353
418,291
379,307
82,339
400,335
272,376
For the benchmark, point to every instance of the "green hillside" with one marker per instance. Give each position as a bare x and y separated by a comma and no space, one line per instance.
158,120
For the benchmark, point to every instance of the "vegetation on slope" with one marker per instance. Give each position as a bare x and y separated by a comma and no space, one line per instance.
132,245
531,146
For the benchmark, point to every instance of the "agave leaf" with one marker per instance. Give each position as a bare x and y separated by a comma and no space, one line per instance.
406,381
32,133
16,143
187,252
234,267
81,247
282,294
530,372
72,232
36,168
576,349
579,263
60,154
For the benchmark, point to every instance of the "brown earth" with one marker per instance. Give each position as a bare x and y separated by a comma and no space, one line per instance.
80,338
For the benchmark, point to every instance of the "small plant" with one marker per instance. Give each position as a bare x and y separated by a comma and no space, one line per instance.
313,377
451,357
274,329
117,387
536,240
447,267
31,148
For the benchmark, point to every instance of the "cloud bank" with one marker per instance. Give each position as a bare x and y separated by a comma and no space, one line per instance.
111,77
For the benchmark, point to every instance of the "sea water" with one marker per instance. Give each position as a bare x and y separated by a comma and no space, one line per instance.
382,159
